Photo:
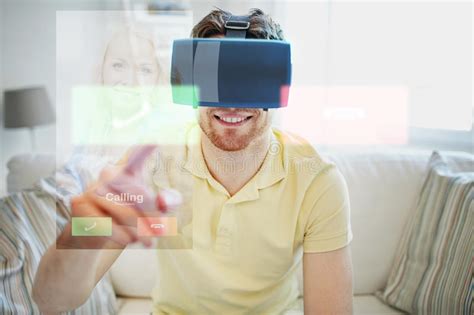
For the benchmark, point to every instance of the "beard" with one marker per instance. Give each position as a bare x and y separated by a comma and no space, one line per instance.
233,139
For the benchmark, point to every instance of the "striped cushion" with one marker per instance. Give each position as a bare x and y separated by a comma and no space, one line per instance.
29,223
433,271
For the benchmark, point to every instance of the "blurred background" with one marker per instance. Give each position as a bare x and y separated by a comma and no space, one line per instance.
393,75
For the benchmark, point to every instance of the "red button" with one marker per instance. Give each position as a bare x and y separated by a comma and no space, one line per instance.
163,226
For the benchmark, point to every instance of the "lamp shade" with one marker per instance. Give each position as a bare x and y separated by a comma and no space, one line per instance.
27,107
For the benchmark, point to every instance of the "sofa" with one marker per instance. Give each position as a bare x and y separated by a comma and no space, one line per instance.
383,184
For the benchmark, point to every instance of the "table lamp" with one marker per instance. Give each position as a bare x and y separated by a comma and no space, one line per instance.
27,107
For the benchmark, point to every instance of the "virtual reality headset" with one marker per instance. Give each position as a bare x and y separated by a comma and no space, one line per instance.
233,71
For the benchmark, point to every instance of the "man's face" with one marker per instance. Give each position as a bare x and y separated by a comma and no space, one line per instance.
233,129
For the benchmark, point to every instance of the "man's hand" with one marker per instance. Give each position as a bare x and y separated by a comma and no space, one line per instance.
117,181
327,281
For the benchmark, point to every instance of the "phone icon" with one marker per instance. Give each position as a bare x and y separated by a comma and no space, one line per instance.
157,226
91,226
153,226
88,228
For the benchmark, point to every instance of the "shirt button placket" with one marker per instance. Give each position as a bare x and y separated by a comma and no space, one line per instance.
223,244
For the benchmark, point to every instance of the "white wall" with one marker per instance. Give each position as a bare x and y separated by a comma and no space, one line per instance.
28,59
28,50
2,169
424,46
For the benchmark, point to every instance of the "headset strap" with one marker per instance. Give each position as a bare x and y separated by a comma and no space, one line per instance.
237,26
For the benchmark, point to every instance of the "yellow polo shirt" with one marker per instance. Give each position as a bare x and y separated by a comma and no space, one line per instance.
246,249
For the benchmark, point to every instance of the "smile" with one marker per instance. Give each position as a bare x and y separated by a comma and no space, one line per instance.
232,120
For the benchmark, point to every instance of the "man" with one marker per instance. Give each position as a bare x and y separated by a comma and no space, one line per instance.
279,204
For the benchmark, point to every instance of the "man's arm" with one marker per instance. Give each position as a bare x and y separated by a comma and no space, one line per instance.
72,267
327,279
66,278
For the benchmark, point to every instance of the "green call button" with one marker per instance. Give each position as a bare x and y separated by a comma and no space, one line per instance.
91,226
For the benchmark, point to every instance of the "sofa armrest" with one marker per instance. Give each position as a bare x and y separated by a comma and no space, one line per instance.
26,169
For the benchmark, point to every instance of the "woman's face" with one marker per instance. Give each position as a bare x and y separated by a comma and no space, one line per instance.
130,61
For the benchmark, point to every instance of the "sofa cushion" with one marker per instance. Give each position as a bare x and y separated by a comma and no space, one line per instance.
383,188
136,306
371,305
363,305
134,273
432,272
29,223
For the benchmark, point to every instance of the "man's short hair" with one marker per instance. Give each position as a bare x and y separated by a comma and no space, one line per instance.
262,25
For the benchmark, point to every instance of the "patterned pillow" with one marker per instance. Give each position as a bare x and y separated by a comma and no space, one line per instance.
29,223
433,271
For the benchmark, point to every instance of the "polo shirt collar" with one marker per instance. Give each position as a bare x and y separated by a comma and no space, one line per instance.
273,169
